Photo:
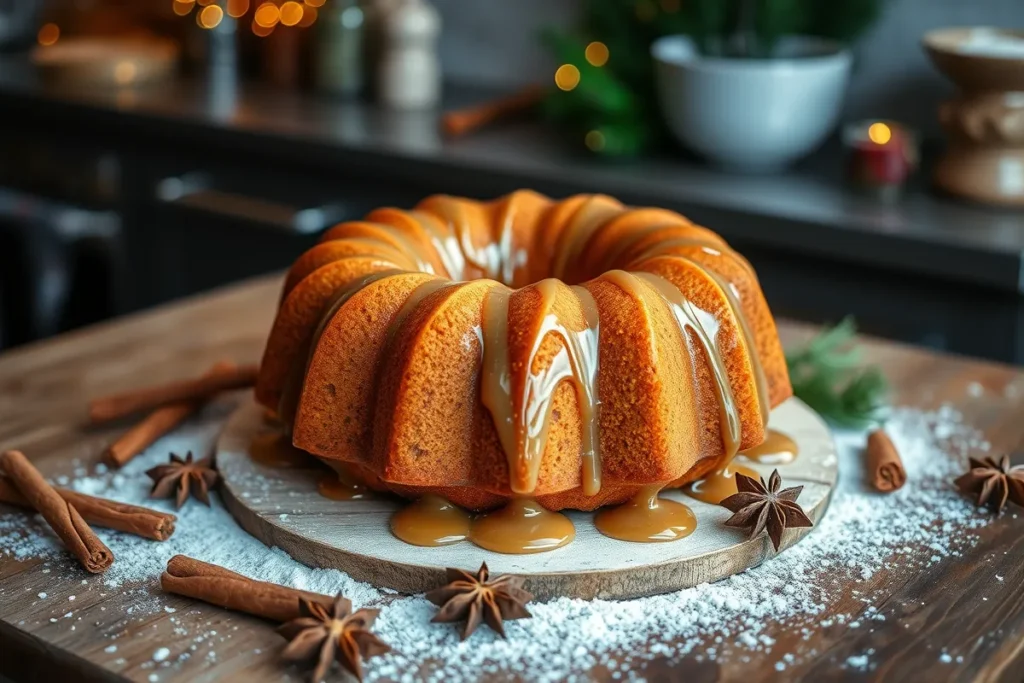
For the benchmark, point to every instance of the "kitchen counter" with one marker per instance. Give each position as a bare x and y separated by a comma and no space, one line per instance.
970,604
805,211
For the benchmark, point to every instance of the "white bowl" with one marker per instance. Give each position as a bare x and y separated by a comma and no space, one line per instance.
752,114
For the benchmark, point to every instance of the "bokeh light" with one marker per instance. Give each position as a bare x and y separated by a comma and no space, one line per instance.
237,8
594,141
260,30
291,13
183,7
596,53
267,15
567,77
314,3
210,17
309,15
48,34
879,133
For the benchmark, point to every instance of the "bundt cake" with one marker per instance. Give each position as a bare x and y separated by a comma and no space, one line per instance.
572,351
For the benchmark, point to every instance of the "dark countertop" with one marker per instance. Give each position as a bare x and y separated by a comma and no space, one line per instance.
804,210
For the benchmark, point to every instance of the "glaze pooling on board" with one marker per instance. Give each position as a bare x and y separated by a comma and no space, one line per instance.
522,527
274,449
777,449
719,484
647,519
354,536
513,240
430,521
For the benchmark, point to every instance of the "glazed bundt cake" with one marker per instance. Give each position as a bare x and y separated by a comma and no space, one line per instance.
573,351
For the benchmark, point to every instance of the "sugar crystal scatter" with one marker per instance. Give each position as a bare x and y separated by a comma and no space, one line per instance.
925,521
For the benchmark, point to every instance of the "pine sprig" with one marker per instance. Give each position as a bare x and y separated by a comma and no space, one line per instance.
827,374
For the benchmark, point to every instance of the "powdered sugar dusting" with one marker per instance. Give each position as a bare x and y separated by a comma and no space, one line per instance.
862,532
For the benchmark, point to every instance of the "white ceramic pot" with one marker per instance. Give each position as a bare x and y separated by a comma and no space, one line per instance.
752,114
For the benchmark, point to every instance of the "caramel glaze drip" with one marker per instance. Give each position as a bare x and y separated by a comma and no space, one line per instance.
705,326
731,294
274,449
719,485
340,485
445,242
777,449
646,518
522,527
430,521
523,421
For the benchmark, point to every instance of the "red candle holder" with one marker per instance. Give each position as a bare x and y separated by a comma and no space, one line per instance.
880,156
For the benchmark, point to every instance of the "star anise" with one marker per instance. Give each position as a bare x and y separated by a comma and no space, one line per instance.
184,475
322,634
759,506
994,482
474,598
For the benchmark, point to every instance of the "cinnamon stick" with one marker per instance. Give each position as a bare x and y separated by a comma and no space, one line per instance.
132,519
885,467
224,588
157,424
462,121
121,405
61,515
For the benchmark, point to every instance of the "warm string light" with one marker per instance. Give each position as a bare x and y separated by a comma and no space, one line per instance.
879,133
261,31
48,34
183,7
210,16
291,13
266,16
567,77
596,53
309,15
237,8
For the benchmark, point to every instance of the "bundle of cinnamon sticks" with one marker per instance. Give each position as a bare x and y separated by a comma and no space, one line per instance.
70,513
60,514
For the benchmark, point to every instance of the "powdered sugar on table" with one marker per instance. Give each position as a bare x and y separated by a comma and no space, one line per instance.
924,523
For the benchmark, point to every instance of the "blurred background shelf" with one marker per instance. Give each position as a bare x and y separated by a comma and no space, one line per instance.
927,269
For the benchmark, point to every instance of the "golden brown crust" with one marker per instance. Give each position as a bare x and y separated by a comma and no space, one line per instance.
397,396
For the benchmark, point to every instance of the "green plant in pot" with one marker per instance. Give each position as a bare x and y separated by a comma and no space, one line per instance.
723,72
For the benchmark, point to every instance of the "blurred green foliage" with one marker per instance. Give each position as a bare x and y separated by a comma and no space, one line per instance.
613,107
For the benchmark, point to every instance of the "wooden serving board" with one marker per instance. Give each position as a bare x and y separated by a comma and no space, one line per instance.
282,508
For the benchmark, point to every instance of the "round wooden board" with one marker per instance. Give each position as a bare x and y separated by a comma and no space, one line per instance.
282,508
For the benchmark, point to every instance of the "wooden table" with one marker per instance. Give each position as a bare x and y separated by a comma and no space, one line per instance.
43,394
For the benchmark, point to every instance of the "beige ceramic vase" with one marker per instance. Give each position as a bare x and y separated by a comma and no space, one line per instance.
984,123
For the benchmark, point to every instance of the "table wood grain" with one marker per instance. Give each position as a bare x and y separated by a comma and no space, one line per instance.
44,389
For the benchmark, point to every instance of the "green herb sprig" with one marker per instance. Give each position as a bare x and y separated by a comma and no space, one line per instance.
828,375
